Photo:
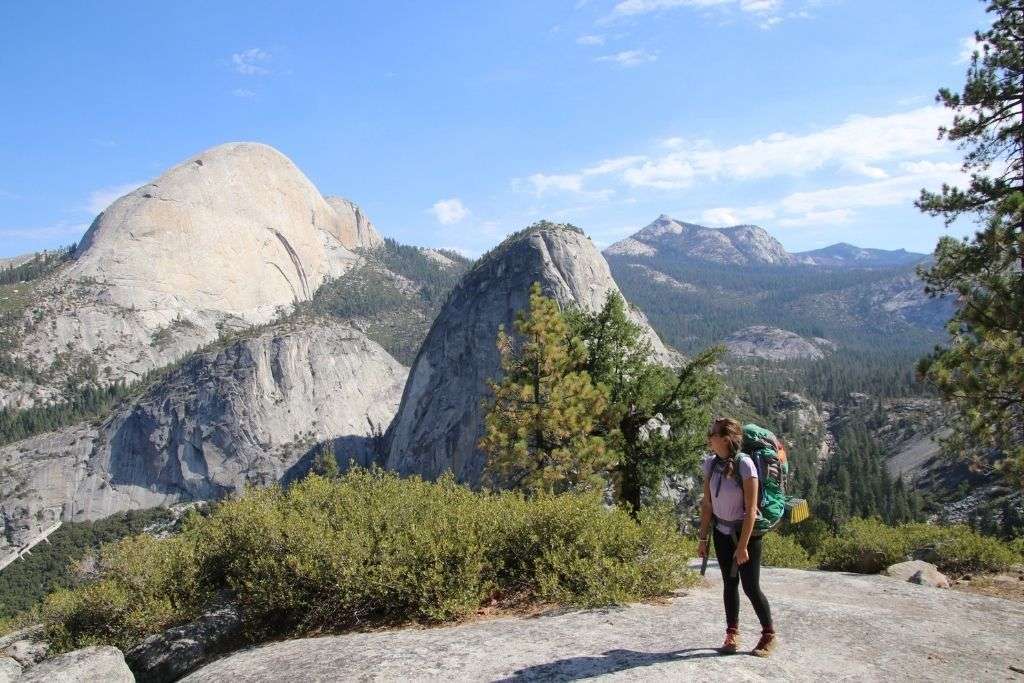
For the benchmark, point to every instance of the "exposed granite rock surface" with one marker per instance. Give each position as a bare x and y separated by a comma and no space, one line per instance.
441,418
249,413
736,245
88,664
227,238
832,626
770,343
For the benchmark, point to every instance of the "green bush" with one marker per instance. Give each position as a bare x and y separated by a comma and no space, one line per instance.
866,546
783,551
371,548
810,534
869,546
138,594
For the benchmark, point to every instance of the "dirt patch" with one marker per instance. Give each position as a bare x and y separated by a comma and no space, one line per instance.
1006,586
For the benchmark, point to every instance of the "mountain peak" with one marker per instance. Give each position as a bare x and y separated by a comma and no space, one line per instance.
738,244
440,419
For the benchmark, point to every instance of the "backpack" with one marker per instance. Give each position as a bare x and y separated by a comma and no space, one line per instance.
769,455
768,452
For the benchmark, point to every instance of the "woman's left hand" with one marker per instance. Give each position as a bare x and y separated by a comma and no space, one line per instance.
741,555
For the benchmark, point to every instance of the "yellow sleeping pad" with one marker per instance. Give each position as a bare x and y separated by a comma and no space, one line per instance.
797,510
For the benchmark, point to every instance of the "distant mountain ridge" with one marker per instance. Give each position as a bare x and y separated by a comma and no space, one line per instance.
748,245
843,254
698,285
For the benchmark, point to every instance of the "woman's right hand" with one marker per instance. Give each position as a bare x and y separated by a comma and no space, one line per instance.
702,548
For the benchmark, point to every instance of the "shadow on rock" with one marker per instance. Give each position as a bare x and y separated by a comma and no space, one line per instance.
612,661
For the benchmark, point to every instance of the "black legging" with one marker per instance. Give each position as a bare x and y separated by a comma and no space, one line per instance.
749,573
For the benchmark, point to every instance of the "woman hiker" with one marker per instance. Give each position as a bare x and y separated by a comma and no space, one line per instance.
734,509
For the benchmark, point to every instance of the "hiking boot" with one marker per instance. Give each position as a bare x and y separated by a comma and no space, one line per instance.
731,644
766,645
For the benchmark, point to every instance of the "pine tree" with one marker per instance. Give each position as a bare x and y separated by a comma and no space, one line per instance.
541,423
981,371
326,463
656,419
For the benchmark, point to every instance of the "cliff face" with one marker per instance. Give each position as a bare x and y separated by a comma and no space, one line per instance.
228,238
441,418
250,413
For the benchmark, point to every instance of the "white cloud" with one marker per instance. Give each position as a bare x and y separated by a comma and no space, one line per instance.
244,93
817,218
724,216
613,165
968,46
760,6
251,62
448,211
837,205
858,144
100,199
628,58
633,7
590,40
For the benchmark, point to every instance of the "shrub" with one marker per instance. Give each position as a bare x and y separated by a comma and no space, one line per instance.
143,579
866,546
957,550
869,546
783,551
371,548
810,534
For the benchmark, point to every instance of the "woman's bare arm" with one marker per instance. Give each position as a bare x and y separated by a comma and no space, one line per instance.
705,512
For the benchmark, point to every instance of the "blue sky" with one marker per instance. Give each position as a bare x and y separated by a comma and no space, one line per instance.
453,123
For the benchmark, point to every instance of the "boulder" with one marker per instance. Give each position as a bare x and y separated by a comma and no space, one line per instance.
27,651
9,669
441,417
167,656
89,664
919,572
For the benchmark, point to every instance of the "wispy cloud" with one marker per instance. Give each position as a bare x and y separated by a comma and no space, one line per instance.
857,145
968,46
769,12
628,58
590,40
243,93
863,162
251,62
542,183
838,205
448,211
100,199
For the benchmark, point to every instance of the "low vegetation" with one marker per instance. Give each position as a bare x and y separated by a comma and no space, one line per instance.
49,566
869,546
398,312
367,549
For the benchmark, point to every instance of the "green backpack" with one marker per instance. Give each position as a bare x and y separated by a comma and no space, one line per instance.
769,455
